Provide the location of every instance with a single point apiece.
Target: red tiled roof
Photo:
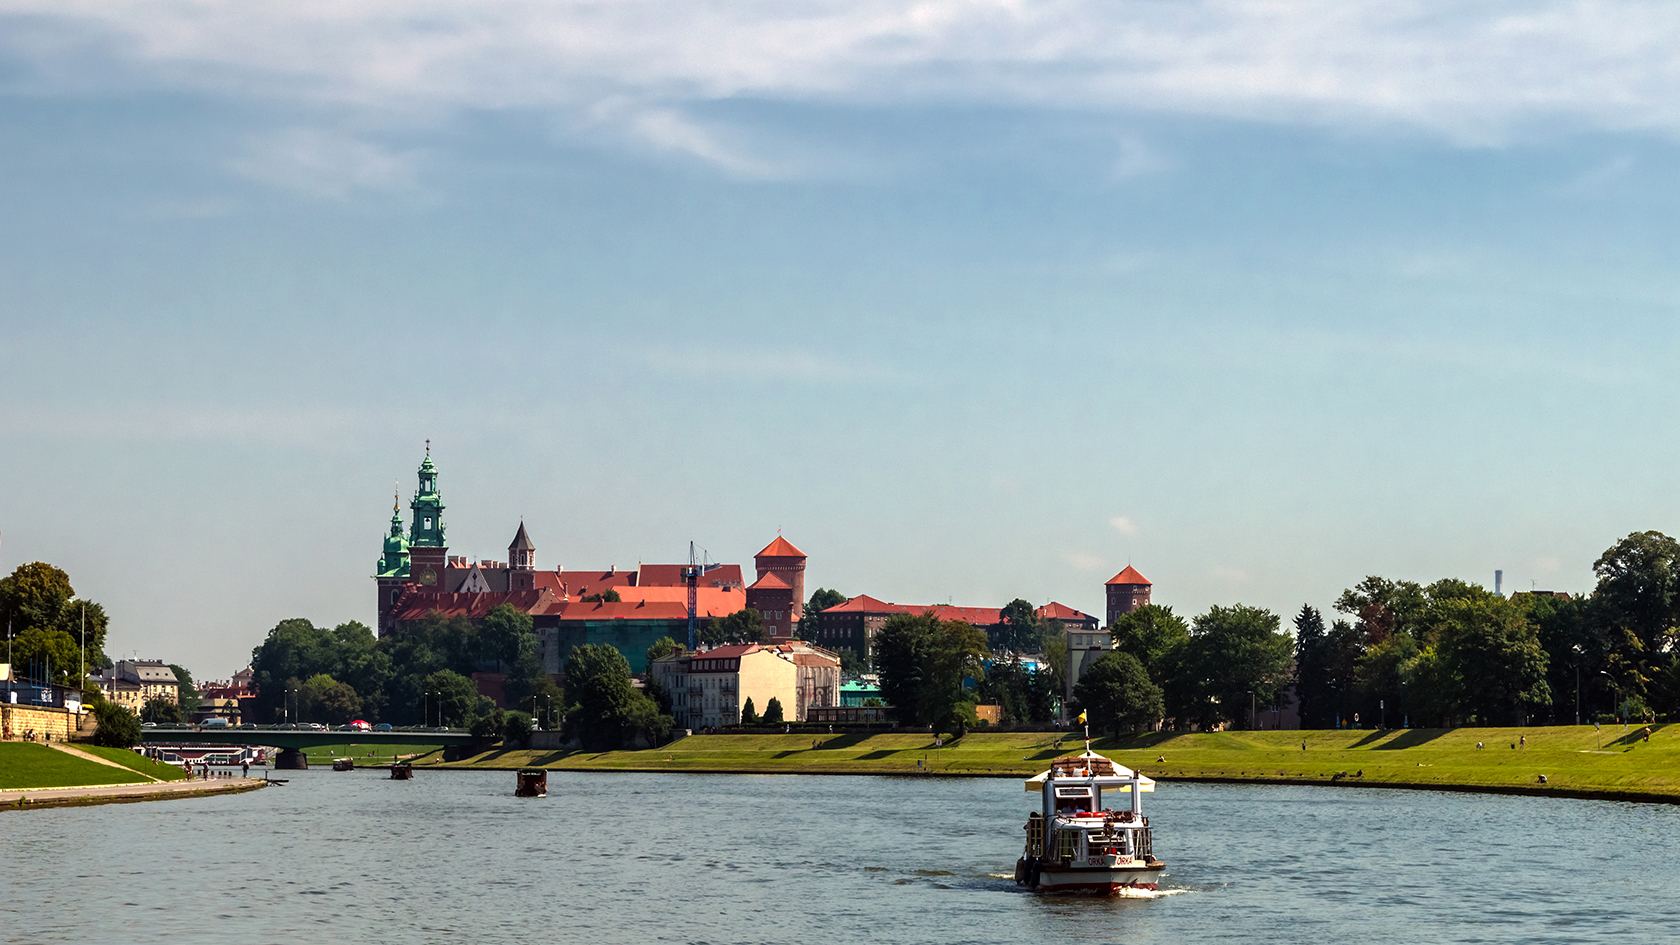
(770, 580)
(619, 610)
(417, 605)
(780, 548)
(1128, 576)
(1055, 611)
(670, 575)
(708, 601)
(978, 616)
(864, 604)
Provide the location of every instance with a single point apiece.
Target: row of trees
(1438, 655)
(1452, 653)
(420, 676)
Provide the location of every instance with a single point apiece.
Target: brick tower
(779, 592)
(1127, 591)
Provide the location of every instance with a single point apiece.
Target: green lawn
(133, 761)
(382, 754)
(1574, 759)
(29, 765)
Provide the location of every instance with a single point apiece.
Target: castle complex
(417, 578)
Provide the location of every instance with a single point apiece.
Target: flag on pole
(1081, 718)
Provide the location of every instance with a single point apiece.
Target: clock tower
(427, 549)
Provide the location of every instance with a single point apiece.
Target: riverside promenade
(26, 798)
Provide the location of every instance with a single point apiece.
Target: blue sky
(974, 301)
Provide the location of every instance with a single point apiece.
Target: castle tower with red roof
(1127, 591)
(779, 592)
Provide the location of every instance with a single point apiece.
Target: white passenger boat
(1076, 844)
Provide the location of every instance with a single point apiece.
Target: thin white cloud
(187, 423)
(1081, 561)
(324, 163)
(1123, 525)
(1474, 72)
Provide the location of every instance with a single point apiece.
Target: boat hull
(1089, 880)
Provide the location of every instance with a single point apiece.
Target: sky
(969, 300)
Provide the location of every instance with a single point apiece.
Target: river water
(454, 857)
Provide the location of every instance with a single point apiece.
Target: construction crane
(697, 566)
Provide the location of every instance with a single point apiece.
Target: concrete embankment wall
(60, 724)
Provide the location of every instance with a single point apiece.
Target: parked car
(382, 727)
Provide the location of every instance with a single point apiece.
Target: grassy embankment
(369, 755)
(29, 765)
(1575, 760)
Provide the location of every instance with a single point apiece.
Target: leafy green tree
(162, 712)
(503, 635)
(742, 626)
(773, 711)
(454, 699)
(1055, 649)
(118, 727)
(1638, 605)
(663, 647)
(749, 715)
(1153, 634)
(187, 693)
(598, 683)
(325, 699)
(47, 623)
(643, 720)
(823, 598)
(851, 665)
(874, 703)
(1494, 658)
(486, 727)
(1235, 651)
(608, 596)
(1117, 693)
(922, 662)
(516, 729)
(1017, 629)
(1314, 689)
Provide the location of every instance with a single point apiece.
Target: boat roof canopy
(1103, 773)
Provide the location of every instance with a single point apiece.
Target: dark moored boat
(533, 782)
(402, 771)
(344, 764)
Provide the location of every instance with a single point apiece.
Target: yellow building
(710, 687)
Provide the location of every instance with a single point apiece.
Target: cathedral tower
(392, 571)
(428, 551)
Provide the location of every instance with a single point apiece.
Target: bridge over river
(291, 741)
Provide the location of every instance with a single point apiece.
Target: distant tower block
(522, 562)
(1127, 591)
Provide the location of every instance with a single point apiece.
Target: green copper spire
(426, 529)
(395, 562)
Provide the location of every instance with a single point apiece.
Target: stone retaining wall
(60, 724)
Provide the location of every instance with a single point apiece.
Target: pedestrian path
(25, 798)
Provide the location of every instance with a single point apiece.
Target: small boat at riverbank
(1074, 843)
(344, 764)
(533, 782)
(402, 771)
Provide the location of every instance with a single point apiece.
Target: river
(454, 857)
